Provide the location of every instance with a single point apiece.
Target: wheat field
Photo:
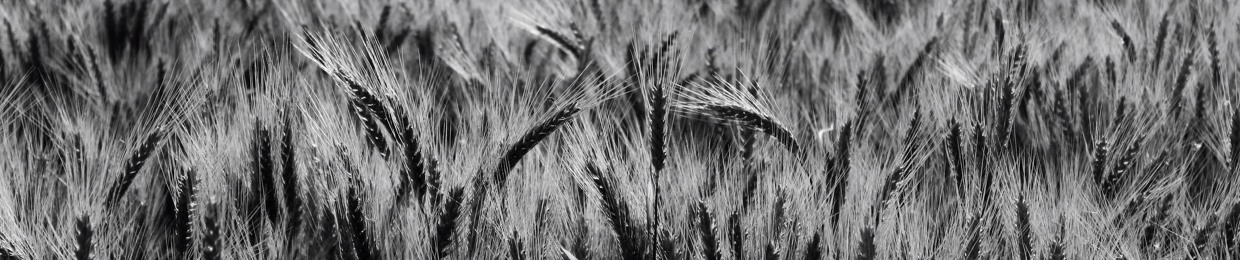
(686, 129)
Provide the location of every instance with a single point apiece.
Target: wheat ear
(132, 166)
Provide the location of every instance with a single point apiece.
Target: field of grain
(590, 129)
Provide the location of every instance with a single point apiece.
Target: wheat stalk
(1231, 225)
(84, 238)
(632, 244)
(658, 118)
(1215, 66)
(972, 248)
(370, 103)
(813, 250)
(8, 28)
(579, 243)
(1000, 34)
(1099, 163)
(866, 250)
(1023, 229)
(778, 221)
(1120, 111)
(894, 183)
(757, 121)
(132, 166)
(1235, 140)
(1129, 50)
(706, 226)
(955, 147)
(1113, 182)
(367, 118)
(412, 178)
(1202, 237)
(747, 194)
(531, 138)
(771, 252)
(1014, 77)
(562, 41)
(292, 200)
(476, 205)
(264, 180)
(841, 170)
(1161, 37)
(516, 249)
(1130, 208)
(1077, 82)
(664, 67)
(211, 238)
(1057, 247)
(1149, 232)
(447, 222)
(916, 69)
(357, 221)
(96, 73)
(1061, 116)
(185, 212)
(729, 103)
(737, 235)
(346, 243)
(1199, 107)
(980, 147)
(1181, 81)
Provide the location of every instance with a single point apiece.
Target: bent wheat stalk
(732, 104)
(530, 139)
(132, 166)
(763, 123)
